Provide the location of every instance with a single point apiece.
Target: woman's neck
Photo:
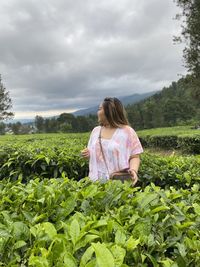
(108, 126)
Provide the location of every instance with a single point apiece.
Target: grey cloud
(69, 54)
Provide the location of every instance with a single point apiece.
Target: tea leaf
(103, 255)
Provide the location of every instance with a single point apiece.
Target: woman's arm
(134, 164)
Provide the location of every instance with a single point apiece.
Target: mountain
(126, 100)
(23, 121)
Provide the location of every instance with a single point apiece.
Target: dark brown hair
(114, 112)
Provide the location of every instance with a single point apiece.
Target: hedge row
(187, 144)
(52, 163)
(27, 164)
(176, 171)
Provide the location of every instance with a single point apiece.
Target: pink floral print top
(117, 150)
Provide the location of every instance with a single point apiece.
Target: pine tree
(190, 35)
(5, 103)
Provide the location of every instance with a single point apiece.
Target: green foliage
(172, 106)
(190, 144)
(176, 171)
(58, 155)
(67, 222)
(160, 141)
(187, 144)
(5, 103)
(167, 131)
(185, 139)
(2, 128)
(191, 33)
(138, 228)
(65, 123)
(44, 156)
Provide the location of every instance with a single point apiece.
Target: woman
(113, 145)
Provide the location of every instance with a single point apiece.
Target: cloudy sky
(61, 55)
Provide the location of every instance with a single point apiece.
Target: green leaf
(196, 208)
(4, 234)
(99, 223)
(84, 241)
(49, 229)
(69, 260)
(38, 218)
(7, 217)
(132, 243)
(153, 260)
(41, 200)
(47, 160)
(185, 225)
(160, 208)
(58, 248)
(147, 199)
(19, 244)
(103, 255)
(20, 231)
(92, 263)
(74, 231)
(119, 254)
(38, 261)
(86, 256)
(69, 205)
(90, 191)
(120, 237)
(28, 216)
(168, 263)
(182, 249)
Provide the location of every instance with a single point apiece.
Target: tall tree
(16, 127)
(2, 128)
(40, 123)
(191, 37)
(5, 103)
(191, 33)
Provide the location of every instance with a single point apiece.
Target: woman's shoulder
(128, 129)
(96, 129)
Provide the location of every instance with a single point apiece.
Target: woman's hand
(134, 176)
(133, 167)
(85, 153)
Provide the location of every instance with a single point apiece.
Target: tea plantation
(51, 214)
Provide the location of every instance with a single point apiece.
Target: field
(52, 215)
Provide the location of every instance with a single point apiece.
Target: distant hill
(23, 121)
(126, 100)
(131, 99)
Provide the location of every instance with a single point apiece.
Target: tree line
(65, 122)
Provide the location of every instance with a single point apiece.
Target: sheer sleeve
(93, 136)
(133, 144)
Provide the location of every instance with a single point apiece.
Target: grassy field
(178, 130)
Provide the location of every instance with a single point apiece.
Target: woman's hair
(114, 112)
